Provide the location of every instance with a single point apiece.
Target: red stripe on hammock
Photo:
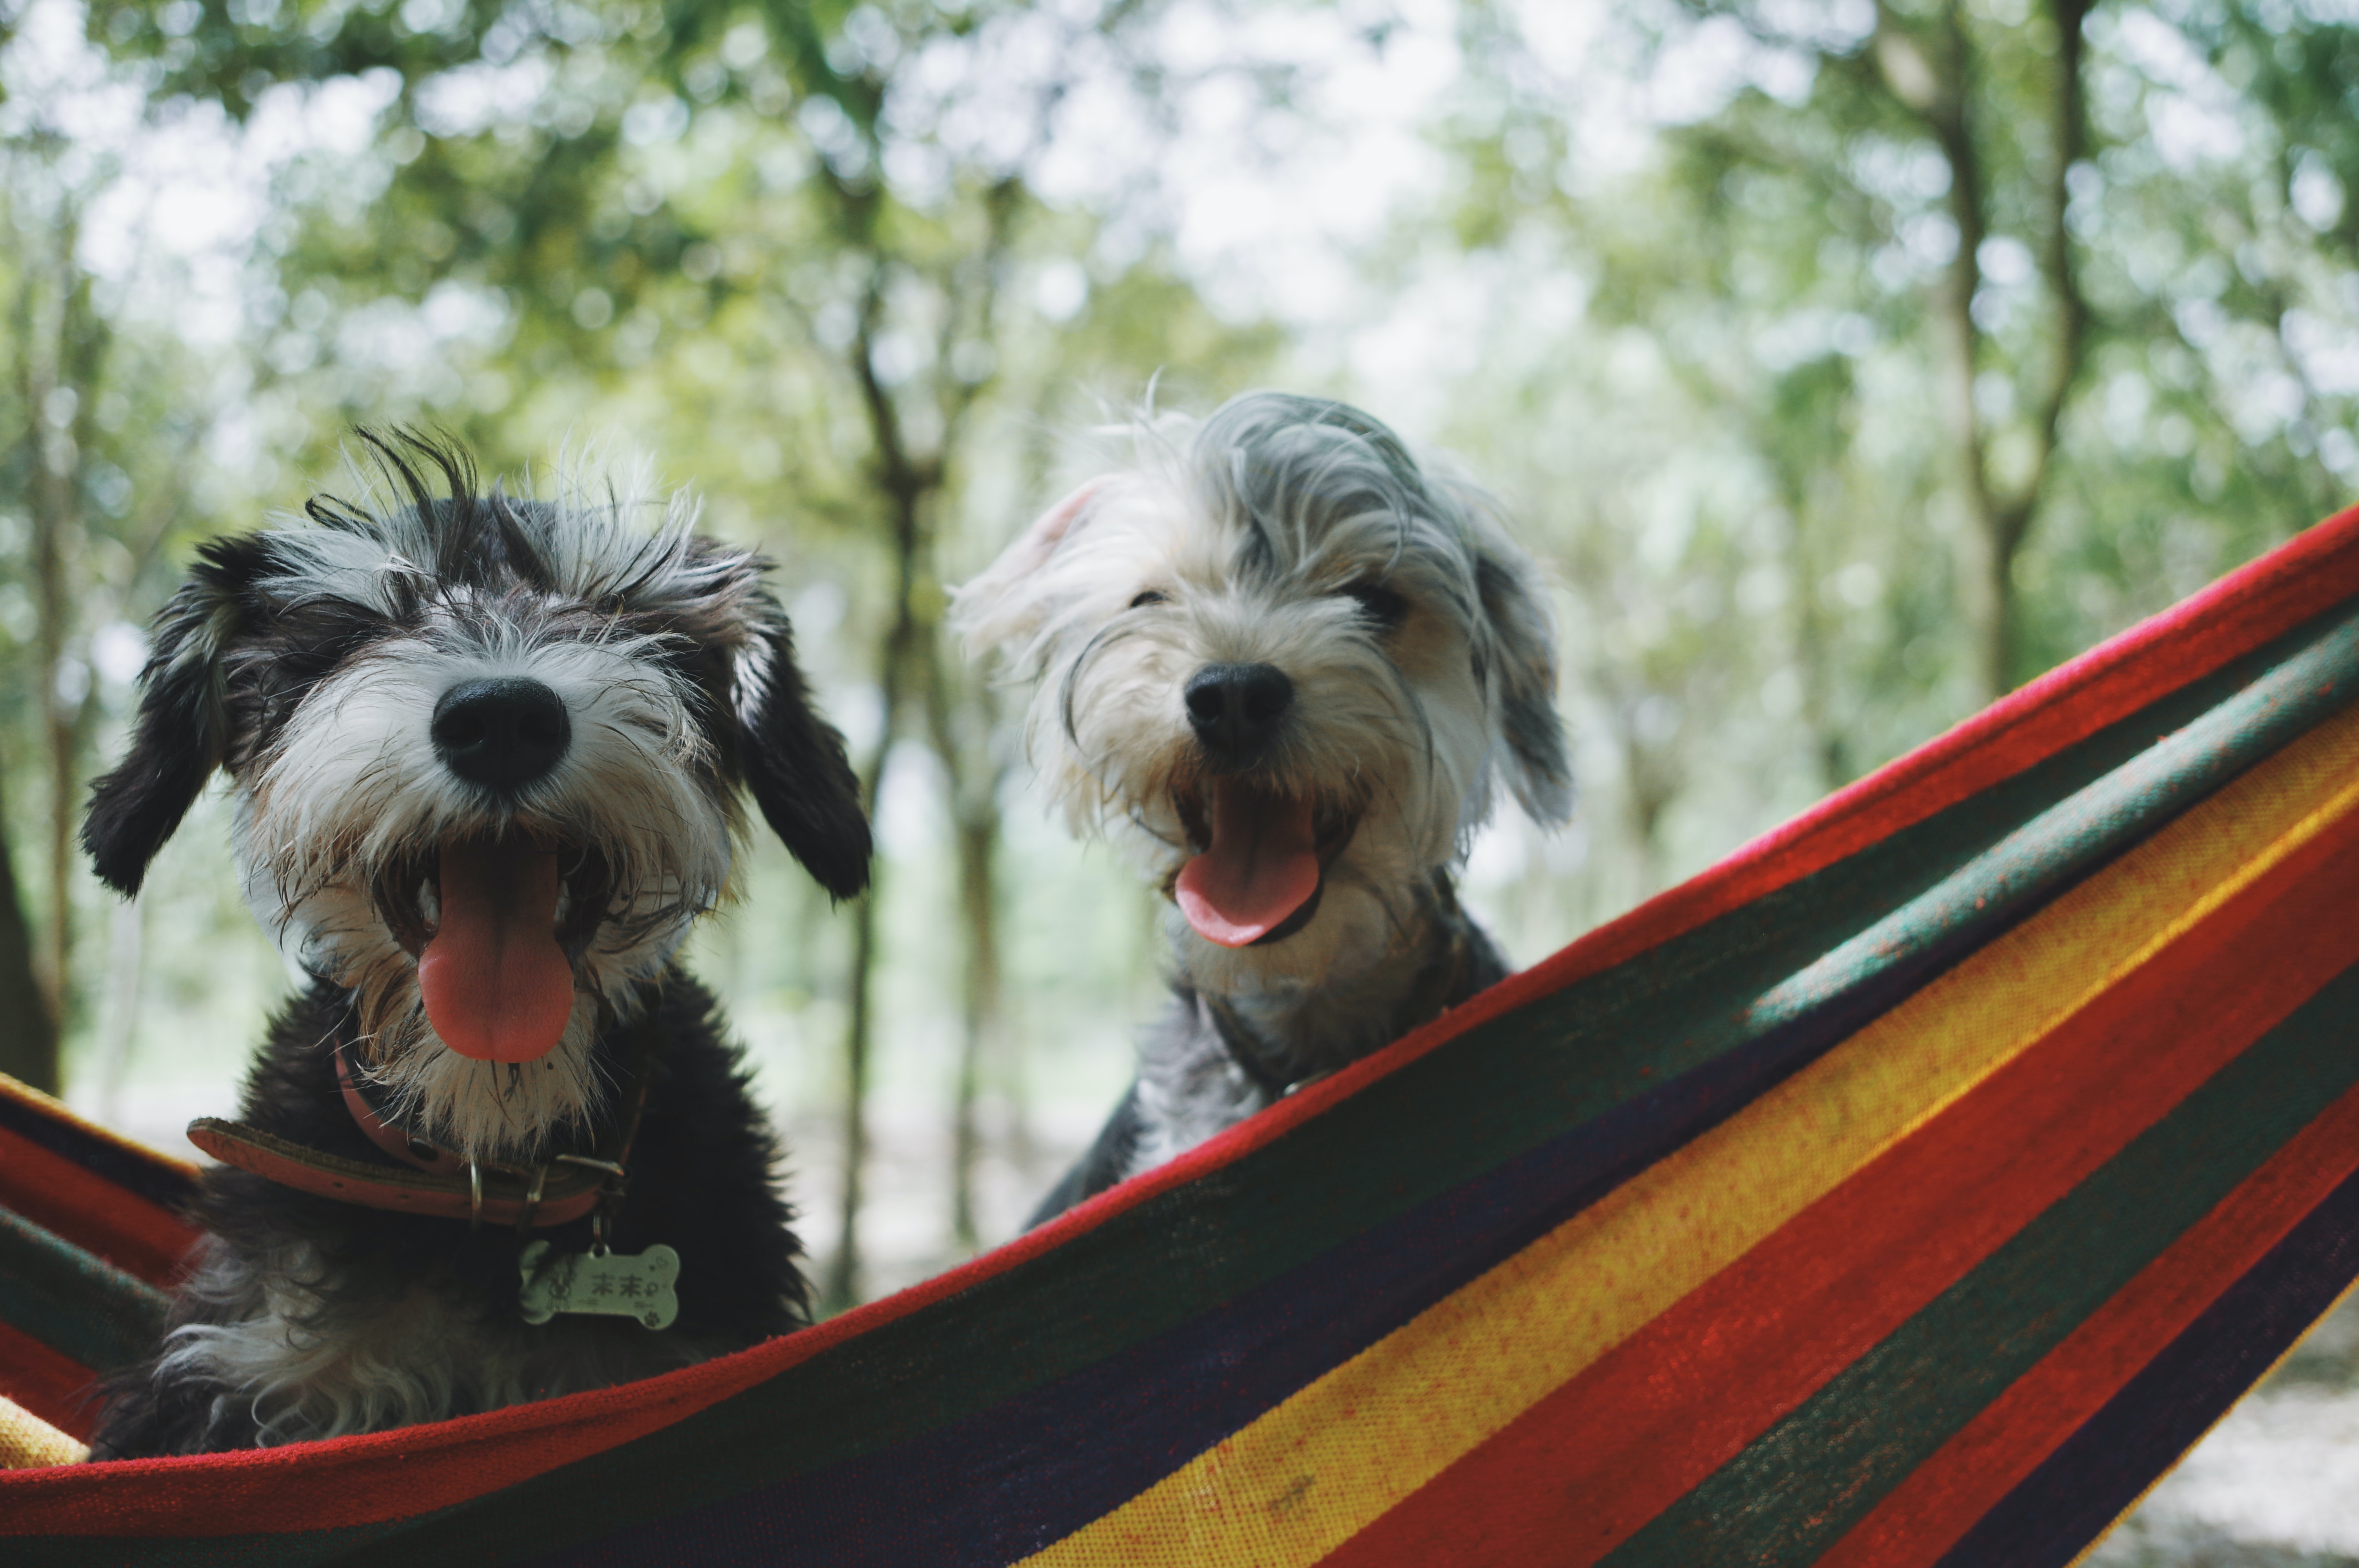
(75, 1204)
(1593, 1460)
(346, 1480)
(397, 1475)
(53, 1387)
(413, 1470)
(17, 1093)
(1931, 1509)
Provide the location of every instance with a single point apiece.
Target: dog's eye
(1379, 603)
(1149, 597)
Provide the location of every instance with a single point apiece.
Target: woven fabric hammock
(1915, 1186)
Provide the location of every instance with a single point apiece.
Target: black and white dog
(486, 753)
(1288, 665)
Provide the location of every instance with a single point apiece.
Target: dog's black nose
(1235, 708)
(502, 733)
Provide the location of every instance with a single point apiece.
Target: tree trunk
(28, 1035)
(978, 853)
(1813, 500)
(41, 332)
(908, 482)
(62, 346)
(1986, 579)
(1936, 80)
(843, 1286)
(963, 734)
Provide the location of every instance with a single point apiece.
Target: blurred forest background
(1849, 362)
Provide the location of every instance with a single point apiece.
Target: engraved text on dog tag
(624, 1285)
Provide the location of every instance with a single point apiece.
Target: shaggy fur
(1298, 534)
(305, 1318)
(308, 661)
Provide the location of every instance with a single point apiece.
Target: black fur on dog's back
(702, 1181)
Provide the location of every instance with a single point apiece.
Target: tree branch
(2069, 130)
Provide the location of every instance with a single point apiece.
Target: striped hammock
(1913, 1187)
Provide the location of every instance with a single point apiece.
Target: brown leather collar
(447, 1186)
(427, 1157)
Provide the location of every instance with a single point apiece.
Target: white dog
(1288, 665)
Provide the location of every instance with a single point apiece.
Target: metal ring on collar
(531, 1200)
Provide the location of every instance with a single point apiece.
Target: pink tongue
(496, 985)
(1260, 869)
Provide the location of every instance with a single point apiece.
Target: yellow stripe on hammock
(27, 1442)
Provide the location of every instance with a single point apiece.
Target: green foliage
(1743, 430)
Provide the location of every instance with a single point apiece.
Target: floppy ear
(993, 608)
(1033, 547)
(1523, 675)
(794, 763)
(182, 728)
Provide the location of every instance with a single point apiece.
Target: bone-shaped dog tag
(618, 1284)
